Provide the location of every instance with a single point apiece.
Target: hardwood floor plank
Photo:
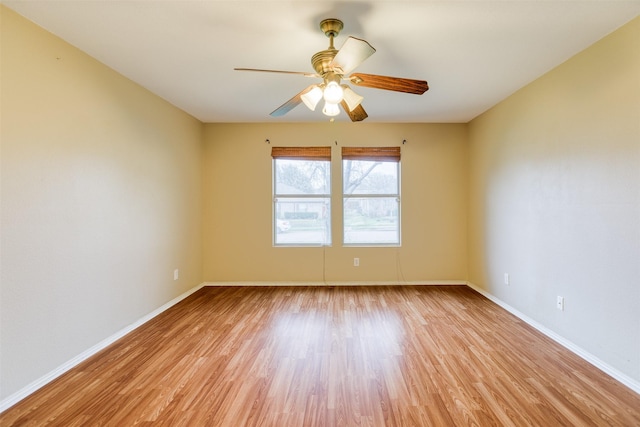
(314, 356)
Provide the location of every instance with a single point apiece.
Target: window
(301, 196)
(371, 195)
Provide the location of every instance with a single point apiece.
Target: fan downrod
(321, 60)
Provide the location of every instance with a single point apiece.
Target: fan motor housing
(322, 59)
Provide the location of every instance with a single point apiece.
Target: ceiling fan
(333, 66)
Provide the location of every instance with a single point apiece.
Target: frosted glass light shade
(312, 97)
(333, 93)
(331, 109)
(351, 98)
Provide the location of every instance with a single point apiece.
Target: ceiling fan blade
(417, 87)
(278, 71)
(352, 53)
(290, 104)
(357, 114)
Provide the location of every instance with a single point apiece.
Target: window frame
(301, 154)
(376, 154)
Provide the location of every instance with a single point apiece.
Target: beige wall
(101, 201)
(555, 200)
(238, 205)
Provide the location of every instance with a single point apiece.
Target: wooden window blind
(376, 154)
(301, 153)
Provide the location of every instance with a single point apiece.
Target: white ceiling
(472, 53)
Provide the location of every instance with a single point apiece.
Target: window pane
(303, 221)
(369, 177)
(302, 177)
(371, 220)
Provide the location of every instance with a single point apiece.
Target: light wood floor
(281, 356)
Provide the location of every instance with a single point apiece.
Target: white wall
(555, 200)
(101, 201)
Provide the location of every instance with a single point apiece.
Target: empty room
(292, 213)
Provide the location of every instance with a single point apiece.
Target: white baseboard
(359, 283)
(44, 380)
(604, 367)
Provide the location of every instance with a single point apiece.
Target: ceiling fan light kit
(330, 109)
(332, 66)
(351, 98)
(333, 93)
(312, 97)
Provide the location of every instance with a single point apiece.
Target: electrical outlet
(176, 274)
(356, 262)
(506, 278)
(560, 303)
